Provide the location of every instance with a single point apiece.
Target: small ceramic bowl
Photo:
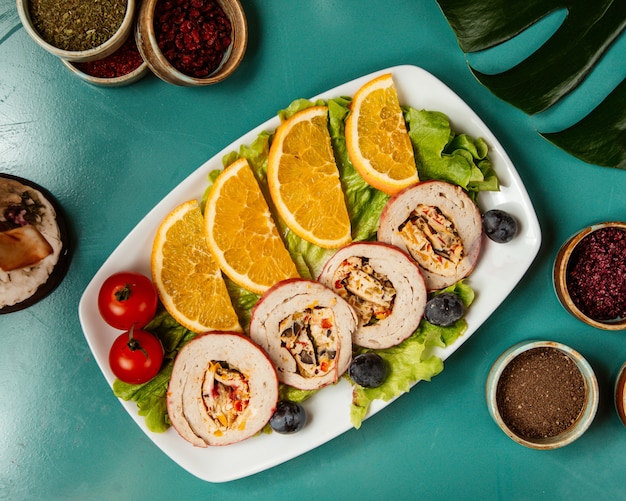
(138, 73)
(560, 275)
(585, 417)
(103, 50)
(132, 77)
(620, 394)
(161, 67)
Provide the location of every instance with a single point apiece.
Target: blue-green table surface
(109, 155)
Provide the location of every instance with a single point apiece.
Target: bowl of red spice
(123, 67)
(78, 30)
(192, 42)
(590, 275)
(542, 394)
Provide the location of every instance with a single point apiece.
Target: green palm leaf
(556, 68)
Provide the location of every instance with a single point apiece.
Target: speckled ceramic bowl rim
(559, 274)
(584, 420)
(103, 50)
(162, 68)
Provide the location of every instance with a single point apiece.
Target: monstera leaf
(554, 69)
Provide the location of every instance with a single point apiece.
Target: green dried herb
(77, 25)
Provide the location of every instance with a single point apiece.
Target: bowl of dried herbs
(78, 30)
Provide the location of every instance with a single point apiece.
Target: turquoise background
(109, 155)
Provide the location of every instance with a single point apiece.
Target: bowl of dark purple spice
(123, 67)
(590, 275)
(78, 30)
(542, 394)
(192, 42)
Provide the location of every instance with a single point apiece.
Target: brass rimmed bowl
(99, 52)
(561, 270)
(571, 433)
(165, 70)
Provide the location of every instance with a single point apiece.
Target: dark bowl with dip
(21, 288)
(542, 394)
(590, 275)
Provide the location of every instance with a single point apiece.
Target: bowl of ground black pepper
(590, 275)
(542, 394)
(192, 42)
(78, 30)
(123, 67)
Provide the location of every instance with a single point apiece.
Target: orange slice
(188, 279)
(241, 232)
(378, 143)
(304, 180)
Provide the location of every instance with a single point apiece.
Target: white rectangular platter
(500, 268)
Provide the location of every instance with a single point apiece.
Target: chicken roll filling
(311, 339)
(370, 293)
(225, 393)
(432, 240)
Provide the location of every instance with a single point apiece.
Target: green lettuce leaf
(296, 106)
(364, 203)
(461, 289)
(408, 362)
(150, 397)
(286, 392)
(172, 335)
(435, 335)
(407, 365)
(441, 154)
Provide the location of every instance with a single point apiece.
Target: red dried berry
(206, 39)
(122, 62)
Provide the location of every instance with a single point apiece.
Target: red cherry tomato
(136, 356)
(127, 299)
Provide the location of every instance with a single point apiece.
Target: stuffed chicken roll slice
(384, 286)
(223, 389)
(439, 226)
(307, 331)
